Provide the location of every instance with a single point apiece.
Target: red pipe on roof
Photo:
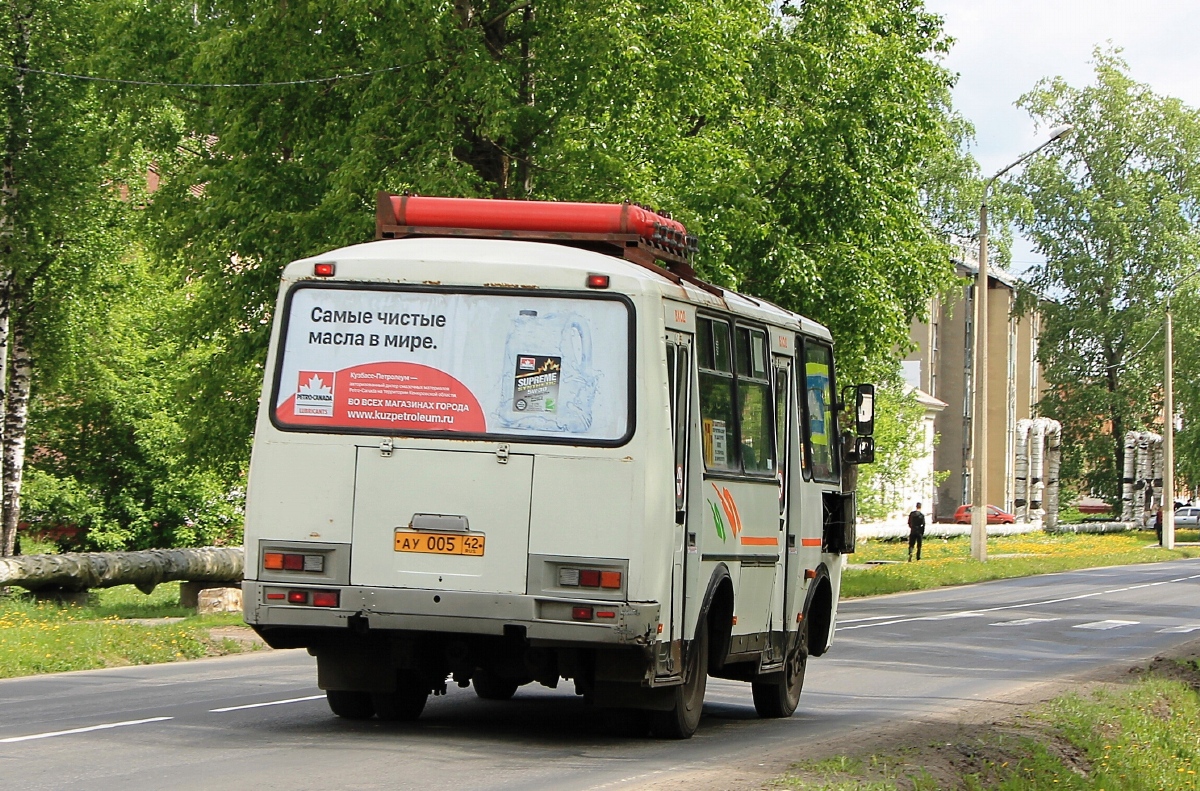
(520, 215)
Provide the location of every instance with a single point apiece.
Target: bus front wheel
(780, 696)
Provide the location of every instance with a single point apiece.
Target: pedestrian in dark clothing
(916, 532)
(1158, 525)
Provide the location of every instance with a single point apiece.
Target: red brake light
(325, 598)
(605, 614)
(273, 560)
(610, 579)
(581, 613)
(297, 597)
(323, 270)
(589, 578)
(597, 281)
(276, 595)
(293, 562)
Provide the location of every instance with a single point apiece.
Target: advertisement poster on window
(406, 361)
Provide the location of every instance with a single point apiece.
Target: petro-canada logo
(314, 394)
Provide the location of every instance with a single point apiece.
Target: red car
(995, 516)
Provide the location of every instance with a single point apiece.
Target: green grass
(1134, 737)
(45, 637)
(949, 562)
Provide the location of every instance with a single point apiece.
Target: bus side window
(715, 366)
(820, 426)
(754, 401)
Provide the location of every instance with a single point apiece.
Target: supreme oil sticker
(536, 383)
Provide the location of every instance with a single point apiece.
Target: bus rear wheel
(403, 705)
(490, 686)
(682, 719)
(350, 705)
(780, 696)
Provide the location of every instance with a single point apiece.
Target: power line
(152, 83)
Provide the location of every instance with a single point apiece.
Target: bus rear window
(431, 362)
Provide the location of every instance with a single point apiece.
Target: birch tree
(1116, 212)
(52, 189)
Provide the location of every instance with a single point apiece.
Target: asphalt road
(258, 721)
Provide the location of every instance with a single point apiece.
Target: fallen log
(78, 571)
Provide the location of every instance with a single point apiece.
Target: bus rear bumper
(543, 619)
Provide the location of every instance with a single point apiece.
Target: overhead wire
(156, 84)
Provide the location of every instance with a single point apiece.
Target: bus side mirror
(864, 409)
(864, 450)
(857, 450)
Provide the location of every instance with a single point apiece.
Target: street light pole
(979, 500)
(1168, 489)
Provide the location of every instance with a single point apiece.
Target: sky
(1003, 47)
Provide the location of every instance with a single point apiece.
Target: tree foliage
(1116, 213)
(899, 443)
(811, 145)
(799, 145)
(108, 426)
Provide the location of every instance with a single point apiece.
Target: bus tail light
(325, 598)
(297, 597)
(324, 270)
(581, 613)
(589, 578)
(293, 561)
(597, 281)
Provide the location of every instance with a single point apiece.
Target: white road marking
(1111, 624)
(1191, 627)
(1023, 622)
(268, 703)
(872, 618)
(1001, 608)
(103, 727)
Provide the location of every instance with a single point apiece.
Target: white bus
(511, 442)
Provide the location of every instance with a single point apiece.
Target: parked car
(1188, 516)
(995, 516)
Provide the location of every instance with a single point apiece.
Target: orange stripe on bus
(810, 542)
(760, 541)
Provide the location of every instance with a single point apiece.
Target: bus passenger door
(785, 448)
(679, 378)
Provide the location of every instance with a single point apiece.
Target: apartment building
(941, 366)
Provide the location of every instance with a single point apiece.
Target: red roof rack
(627, 230)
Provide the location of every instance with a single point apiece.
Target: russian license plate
(440, 543)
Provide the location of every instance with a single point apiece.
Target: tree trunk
(145, 569)
(16, 419)
(16, 131)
